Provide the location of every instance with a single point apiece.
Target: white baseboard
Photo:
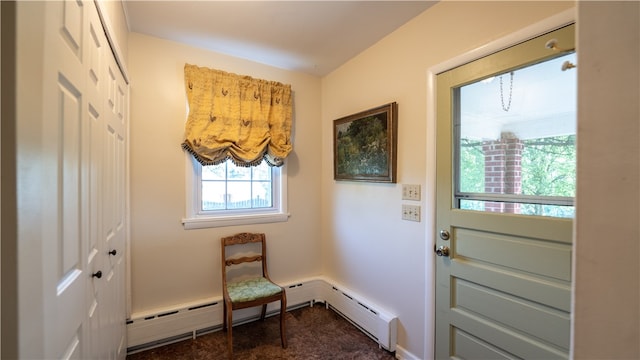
(403, 354)
(151, 329)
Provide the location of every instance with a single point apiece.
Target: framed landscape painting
(365, 145)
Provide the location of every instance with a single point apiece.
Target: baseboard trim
(150, 329)
(403, 354)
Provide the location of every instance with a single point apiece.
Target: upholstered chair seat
(251, 289)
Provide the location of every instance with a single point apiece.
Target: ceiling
(313, 37)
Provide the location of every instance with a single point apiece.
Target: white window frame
(197, 219)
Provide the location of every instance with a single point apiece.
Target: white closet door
(95, 55)
(74, 224)
(65, 198)
(114, 215)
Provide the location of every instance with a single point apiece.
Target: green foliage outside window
(548, 169)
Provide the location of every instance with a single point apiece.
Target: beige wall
(607, 248)
(366, 245)
(171, 266)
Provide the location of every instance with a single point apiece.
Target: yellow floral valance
(236, 117)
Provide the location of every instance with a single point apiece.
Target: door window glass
(515, 136)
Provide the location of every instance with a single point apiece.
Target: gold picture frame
(365, 145)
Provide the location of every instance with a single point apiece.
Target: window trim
(516, 198)
(194, 219)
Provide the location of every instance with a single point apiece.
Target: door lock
(444, 235)
(442, 250)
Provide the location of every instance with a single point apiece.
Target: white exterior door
(503, 274)
(72, 204)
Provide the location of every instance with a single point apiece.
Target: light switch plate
(411, 212)
(410, 192)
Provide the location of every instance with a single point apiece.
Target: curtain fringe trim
(277, 162)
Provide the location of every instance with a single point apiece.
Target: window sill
(211, 222)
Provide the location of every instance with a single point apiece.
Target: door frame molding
(551, 23)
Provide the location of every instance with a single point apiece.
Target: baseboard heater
(148, 330)
(376, 323)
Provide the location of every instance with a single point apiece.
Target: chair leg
(224, 316)
(229, 320)
(283, 310)
(264, 312)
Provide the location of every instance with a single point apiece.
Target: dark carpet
(312, 333)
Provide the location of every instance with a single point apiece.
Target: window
(230, 187)
(226, 194)
(516, 136)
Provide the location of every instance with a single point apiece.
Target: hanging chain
(506, 108)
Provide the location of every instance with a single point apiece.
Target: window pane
(262, 172)
(214, 172)
(516, 135)
(235, 172)
(471, 166)
(549, 166)
(213, 195)
(230, 187)
(261, 194)
(239, 194)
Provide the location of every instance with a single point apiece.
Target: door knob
(97, 274)
(442, 251)
(113, 252)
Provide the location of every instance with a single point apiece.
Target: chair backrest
(240, 252)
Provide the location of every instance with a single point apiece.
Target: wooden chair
(250, 288)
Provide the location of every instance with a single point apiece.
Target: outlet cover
(411, 212)
(410, 192)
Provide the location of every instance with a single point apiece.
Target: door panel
(533, 318)
(504, 289)
(65, 276)
(523, 311)
(496, 337)
(114, 217)
(96, 49)
(83, 200)
(552, 294)
(469, 347)
(526, 255)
